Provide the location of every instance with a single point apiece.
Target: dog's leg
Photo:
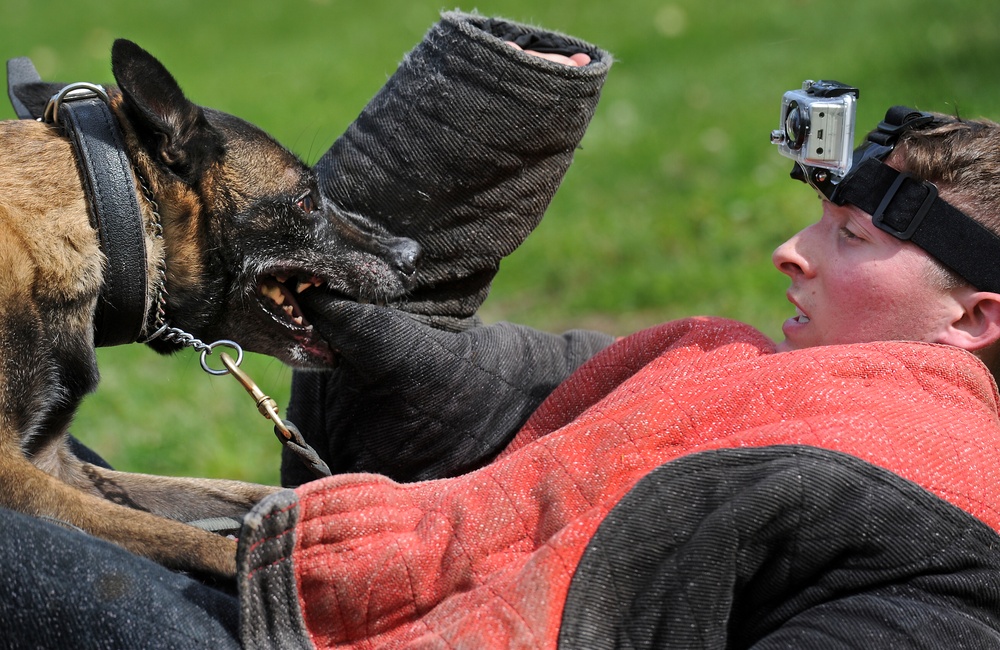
(47, 364)
(64, 488)
(178, 497)
(172, 544)
(175, 497)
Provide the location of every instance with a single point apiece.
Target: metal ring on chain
(207, 350)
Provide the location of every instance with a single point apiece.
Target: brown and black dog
(244, 228)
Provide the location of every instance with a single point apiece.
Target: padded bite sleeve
(463, 149)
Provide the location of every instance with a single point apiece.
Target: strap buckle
(73, 92)
(918, 217)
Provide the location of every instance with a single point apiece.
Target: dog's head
(245, 226)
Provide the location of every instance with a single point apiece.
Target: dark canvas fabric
(413, 402)
(783, 547)
(62, 588)
(463, 149)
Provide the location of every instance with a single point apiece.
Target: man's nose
(789, 258)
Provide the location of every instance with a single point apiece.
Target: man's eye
(847, 234)
(306, 203)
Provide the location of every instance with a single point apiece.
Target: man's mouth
(800, 317)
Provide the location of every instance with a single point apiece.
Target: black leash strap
(298, 446)
(82, 111)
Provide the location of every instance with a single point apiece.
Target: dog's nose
(405, 254)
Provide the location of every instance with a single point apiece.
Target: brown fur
(230, 202)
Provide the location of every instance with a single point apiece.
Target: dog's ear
(173, 129)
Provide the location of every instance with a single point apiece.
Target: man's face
(853, 283)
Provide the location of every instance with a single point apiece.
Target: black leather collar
(81, 111)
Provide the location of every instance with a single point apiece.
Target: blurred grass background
(672, 207)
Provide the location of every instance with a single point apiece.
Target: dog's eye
(306, 203)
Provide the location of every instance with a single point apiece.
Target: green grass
(672, 207)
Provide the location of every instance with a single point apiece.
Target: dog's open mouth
(277, 294)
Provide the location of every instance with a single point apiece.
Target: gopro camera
(817, 126)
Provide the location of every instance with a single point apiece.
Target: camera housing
(817, 125)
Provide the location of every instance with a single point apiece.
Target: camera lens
(795, 125)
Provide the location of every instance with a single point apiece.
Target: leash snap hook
(266, 405)
(286, 432)
(72, 92)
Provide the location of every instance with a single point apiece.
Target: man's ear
(978, 324)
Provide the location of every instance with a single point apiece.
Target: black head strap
(897, 120)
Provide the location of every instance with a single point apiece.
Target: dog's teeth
(272, 292)
(288, 309)
(297, 320)
(302, 286)
(281, 277)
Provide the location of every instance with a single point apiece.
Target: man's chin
(791, 343)
(785, 346)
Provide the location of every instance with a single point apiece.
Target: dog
(233, 228)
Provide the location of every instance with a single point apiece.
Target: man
(852, 282)
(685, 486)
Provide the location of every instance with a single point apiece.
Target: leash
(286, 432)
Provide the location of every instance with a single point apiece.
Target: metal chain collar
(156, 227)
